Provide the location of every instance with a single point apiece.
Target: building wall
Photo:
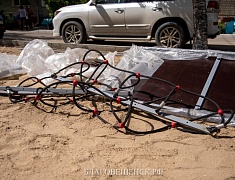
(227, 8)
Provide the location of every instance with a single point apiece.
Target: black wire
(148, 132)
(85, 86)
(84, 56)
(230, 117)
(73, 65)
(30, 78)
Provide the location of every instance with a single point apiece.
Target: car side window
(107, 1)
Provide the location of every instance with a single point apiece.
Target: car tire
(1, 35)
(74, 32)
(170, 35)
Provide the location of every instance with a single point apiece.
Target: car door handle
(156, 9)
(119, 11)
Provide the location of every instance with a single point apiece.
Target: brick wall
(227, 8)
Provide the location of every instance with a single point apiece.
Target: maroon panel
(222, 89)
(189, 74)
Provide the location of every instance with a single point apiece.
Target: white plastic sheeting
(8, 66)
(39, 60)
(188, 54)
(136, 59)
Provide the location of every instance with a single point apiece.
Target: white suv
(169, 22)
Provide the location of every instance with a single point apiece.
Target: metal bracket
(208, 82)
(173, 118)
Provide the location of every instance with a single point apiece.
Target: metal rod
(208, 82)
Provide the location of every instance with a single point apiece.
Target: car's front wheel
(74, 32)
(170, 35)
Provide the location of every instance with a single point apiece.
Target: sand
(71, 144)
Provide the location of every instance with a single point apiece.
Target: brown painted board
(192, 76)
(222, 89)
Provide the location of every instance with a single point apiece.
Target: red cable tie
(220, 112)
(39, 80)
(26, 99)
(95, 81)
(177, 88)
(137, 75)
(118, 100)
(173, 124)
(106, 61)
(121, 125)
(83, 62)
(95, 111)
(37, 97)
(72, 74)
(75, 82)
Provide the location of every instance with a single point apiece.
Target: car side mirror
(93, 2)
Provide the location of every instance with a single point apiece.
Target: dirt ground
(10, 50)
(72, 144)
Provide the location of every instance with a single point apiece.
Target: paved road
(224, 42)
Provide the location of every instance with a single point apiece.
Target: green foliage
(222, 27)
(53, 5)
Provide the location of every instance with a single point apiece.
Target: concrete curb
(65, 46)
(89, 46)
(13, 43)
(112, 48)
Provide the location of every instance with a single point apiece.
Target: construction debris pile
(77, 75)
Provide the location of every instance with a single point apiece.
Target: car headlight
(57, 12)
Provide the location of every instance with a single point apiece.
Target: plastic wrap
(188, 54)
(192, 113)
(32, 57)
(147, 60)
(40, 60)
(8, 66)
(105, 74)
(136, 59)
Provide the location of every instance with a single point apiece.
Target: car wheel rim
(72, 34)
(170, 37)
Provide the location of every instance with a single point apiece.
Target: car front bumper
(56, 25)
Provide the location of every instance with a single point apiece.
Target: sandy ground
(71, 144)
